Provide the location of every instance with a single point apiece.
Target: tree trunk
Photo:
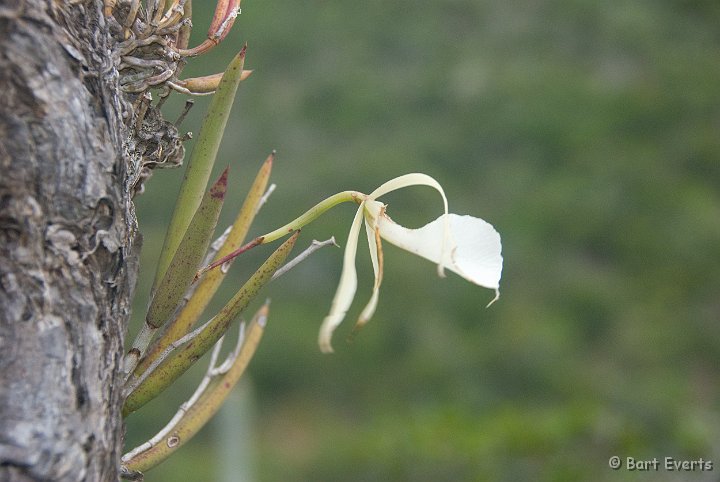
(67, 232)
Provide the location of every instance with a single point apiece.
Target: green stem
(312, 214)
(303, 220)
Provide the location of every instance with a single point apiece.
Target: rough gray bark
(66, 235)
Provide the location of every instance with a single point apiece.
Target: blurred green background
(587, 133)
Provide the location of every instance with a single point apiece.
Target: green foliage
(209, 283)
(587, 133)
(218, 383)
(191, 351)
(188, 255)
(202, 159)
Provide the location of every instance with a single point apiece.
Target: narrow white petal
(346, 287)
(420, 179)
(473, 250)
(376, 257)
(407, 180)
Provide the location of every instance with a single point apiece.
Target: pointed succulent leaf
(201, 162)
(186, 355)
(188, 256)
(207, 405)
(209, 284)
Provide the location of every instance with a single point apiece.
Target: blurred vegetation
(587, 132)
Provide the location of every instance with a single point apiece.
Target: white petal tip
(324, 342)
(325, 336)
(359, 324)
(497, 296)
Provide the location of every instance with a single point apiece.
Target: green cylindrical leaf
(207, 286)
(189, 353)
(201, 162)
(207, 405)
(188, 256)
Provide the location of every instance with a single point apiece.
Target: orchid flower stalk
(463, 244)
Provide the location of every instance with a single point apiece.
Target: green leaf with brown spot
(201, 162)
(188, 256)
(209, 283)
(205, 407)
(184, 357)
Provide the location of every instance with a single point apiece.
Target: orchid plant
(153, 48)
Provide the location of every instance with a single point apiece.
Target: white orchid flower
(466, 245)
